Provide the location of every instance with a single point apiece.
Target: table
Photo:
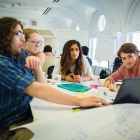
(54, 121)
(43, 109)
(115, 122)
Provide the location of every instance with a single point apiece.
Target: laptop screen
(129, 91)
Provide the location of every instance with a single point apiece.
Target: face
(74, 52)
(129, 59)
(17, 40)
(33, 43)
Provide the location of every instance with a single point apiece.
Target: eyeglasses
(35, 42)
(20, 34)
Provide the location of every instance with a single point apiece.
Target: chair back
(49, 72)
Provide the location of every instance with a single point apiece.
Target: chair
(49, 72)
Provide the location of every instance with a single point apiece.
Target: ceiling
(49, 14)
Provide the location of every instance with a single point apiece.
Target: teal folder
(74, 87)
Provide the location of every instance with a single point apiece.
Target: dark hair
(7, 26)
(85, 50)
(47, 48)
(66, 59)
(127, 48)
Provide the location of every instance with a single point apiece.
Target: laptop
(129, 91)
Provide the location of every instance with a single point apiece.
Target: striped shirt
(14, 78)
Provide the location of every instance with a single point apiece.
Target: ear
(137, 54)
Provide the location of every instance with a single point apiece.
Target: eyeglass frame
(20, 34)
(35, 42)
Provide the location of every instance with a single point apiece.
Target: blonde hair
(29, 31)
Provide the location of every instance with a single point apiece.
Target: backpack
(104, 73)
(117, 63)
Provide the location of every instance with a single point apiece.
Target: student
(31, 46)
(73, 65)
(85, 51)
(130, 68)
(18, 87)
(50, 59)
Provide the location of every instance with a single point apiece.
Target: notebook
(129, 91)
(74, 87)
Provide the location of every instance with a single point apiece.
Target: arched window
(102, 23)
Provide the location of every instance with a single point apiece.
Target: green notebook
(74, 87)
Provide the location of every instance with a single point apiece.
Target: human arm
(116, 76)
(50, 94)
(34, 63)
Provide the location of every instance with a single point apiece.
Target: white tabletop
(115, 122)
(54, 121)
(43, 109)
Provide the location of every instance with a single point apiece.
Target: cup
(96, 79)
(102, 92)
(56, 78)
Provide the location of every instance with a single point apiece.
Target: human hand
(107, 83)
(93, 101)
(32, 62)
(41, 56)
(77, 78)
(114, 87)
(69, 77)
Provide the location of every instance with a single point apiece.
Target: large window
(136, 39)
(93, 42)
(102, 23)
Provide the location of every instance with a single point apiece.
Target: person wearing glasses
(130, 68)
(31, 46)
(18, 87)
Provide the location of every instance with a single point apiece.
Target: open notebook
(74, 87)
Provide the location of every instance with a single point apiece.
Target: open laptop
(129, 91)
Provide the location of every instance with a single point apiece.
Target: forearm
(50, 94)
(86, 78)
(39, 75)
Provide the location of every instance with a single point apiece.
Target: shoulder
(5, 60)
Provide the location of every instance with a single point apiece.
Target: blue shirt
(14, 78)
(24, 55)
(89, 60)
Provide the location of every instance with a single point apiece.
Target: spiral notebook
(74, 87)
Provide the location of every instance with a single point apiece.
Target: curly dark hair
(7, 26)
(66, 59)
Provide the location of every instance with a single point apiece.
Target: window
(101, 23)
(93, 42)
(77, 28)
(136, 39)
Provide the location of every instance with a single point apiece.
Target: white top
(87, 69)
